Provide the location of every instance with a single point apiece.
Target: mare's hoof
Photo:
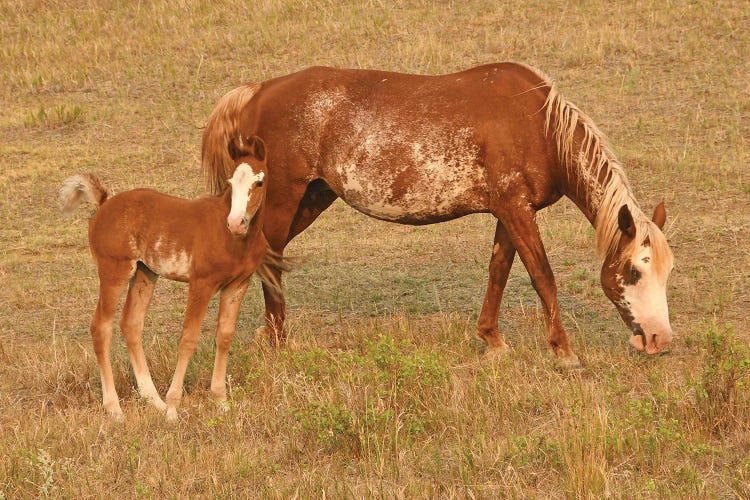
(496, 353)
(263, 333)
(569, 362)
(268, 334)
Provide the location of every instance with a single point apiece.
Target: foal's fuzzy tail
(270, 270)
(221, 130)
(82, 187)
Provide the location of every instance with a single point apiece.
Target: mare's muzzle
(640, 341)
(638, 331)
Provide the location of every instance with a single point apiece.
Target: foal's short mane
(602, 179)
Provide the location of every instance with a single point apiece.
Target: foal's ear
(256, 147)
(237, 148)
(625, 221)
(660, 215)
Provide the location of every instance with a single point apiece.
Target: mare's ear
(625, 221)
(660, 215)
(256, 147)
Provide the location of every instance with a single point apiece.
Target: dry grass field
(381, 391)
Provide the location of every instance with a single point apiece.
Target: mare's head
(634, 277)
(247, 183)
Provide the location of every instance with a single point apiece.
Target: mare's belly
(412, 183)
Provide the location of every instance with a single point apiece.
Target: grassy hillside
(381, 390)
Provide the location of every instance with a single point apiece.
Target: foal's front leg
(198, 296)
(229, 310)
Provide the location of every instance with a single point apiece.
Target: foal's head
(247, 183)
(634, 277)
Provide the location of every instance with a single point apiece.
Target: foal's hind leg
(503, 253)
(229, 310)
(133, 315)
(198, 296)
(112, 280)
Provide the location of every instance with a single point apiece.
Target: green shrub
(721, 394)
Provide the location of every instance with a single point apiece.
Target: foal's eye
(259, 184)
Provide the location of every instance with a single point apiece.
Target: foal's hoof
(171, 415)
(156, 402)
(118, 417)
(115, 412)
(223, 406)
(159, 404)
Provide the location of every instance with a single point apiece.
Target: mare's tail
(221, 129)
(82, 187)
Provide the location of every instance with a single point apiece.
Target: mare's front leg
(503, 253)
(285, 217)
(133, 315)
(229, 310)
(198, 296)
(524, 234)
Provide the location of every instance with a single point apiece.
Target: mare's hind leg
(112, 280)
(133, 315)
(198, 296)
(524, 234)
(229, 310)
(503, 253)
(279, 230)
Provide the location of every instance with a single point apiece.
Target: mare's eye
(259, 184)
(635, 275)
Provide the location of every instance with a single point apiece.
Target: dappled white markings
(175, 265)
(392, 173)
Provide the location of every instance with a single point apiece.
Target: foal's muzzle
(238, 225)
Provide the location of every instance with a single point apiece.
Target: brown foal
(215, 244)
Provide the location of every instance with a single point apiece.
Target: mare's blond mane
(601, 178)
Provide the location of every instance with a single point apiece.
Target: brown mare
(214, 244)
(419, 149)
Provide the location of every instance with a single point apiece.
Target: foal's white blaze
(647, 301)
(242, 182)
